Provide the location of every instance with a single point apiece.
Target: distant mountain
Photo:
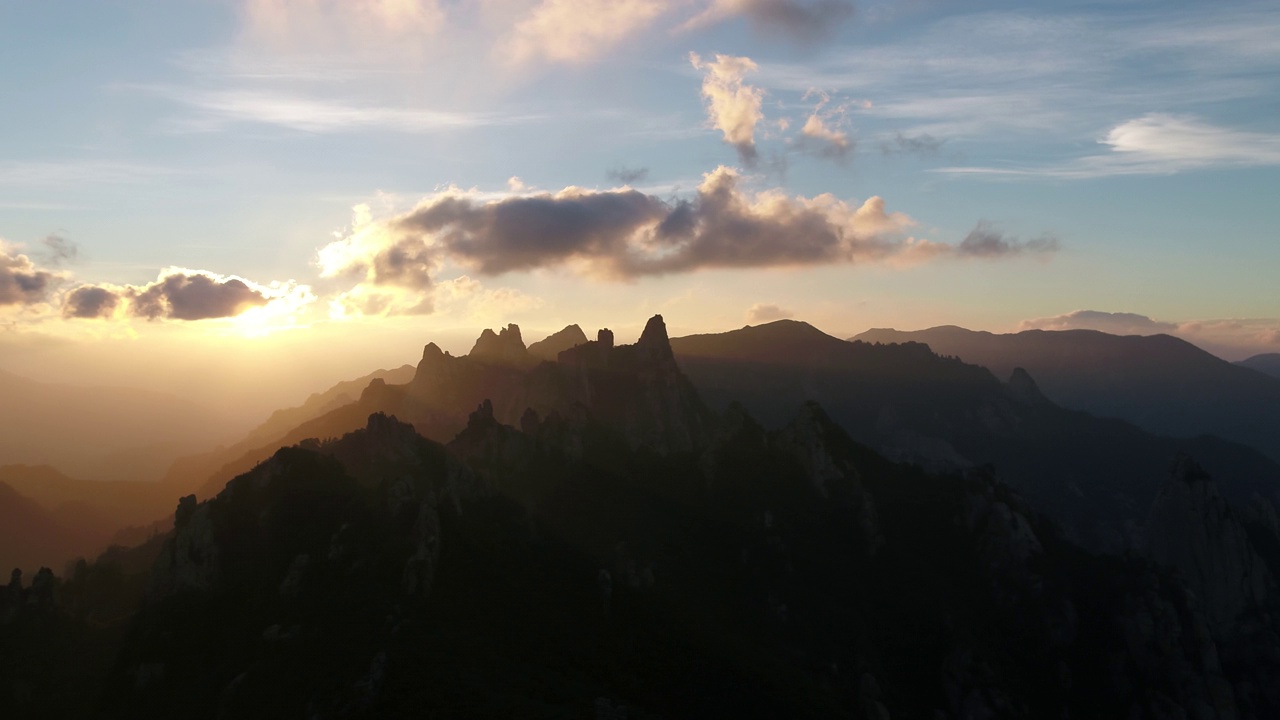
(1268, 363)
(1160, 383)
(100, 433)
(116, 503)
(1094, 476)
(71, 518)
(186, 473)
(32, 537)
(343, 393)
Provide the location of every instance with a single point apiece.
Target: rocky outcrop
(190, 559)
(550, 347)
(503, 348)
(1192, 529)
(655, 405)
(1023, 388)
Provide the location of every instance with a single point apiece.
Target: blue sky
(1031, 160)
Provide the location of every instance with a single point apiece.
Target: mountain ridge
(1160, 383)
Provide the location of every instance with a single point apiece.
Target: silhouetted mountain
(596, 377)
(1094, 476)
(100, 432)
(1266, 363)
(625, 551)
(550, 347)
(1160, 383)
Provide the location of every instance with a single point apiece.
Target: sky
(245, 201)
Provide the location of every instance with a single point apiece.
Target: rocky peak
(1023, 387)
(550, 347)
(654, 342)
(433, 361)
(605, 337)
(482, 416)
(505, 347)
(432, 351)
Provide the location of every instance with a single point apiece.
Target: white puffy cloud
(733, 107)
(767, 312)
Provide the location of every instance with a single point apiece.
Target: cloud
(985, 241)
(1116, 323)
(821, 132)
(627, 175)
(192, 296)
(1156, 144)
(315, 25)
(21, 282)
(76, 172)
(181, 294)
(60, 249)
(762, 313)
(217, 108)
(524, 233)
(1186, 141)
(921, 144)
(91, 301)
(572, 31)
(1232, 338)
(624, 234)
(802, 22)
(733, 107)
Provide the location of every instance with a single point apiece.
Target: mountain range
(1267, 363)
(760, 523)
(1160, 383)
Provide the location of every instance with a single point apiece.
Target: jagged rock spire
(505, 347)
(654, 341)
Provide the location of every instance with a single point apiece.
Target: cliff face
(1192, 529)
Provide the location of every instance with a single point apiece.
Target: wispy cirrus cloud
(214, 109)
(43, 173)
(1031, 82)
(1155, 144)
